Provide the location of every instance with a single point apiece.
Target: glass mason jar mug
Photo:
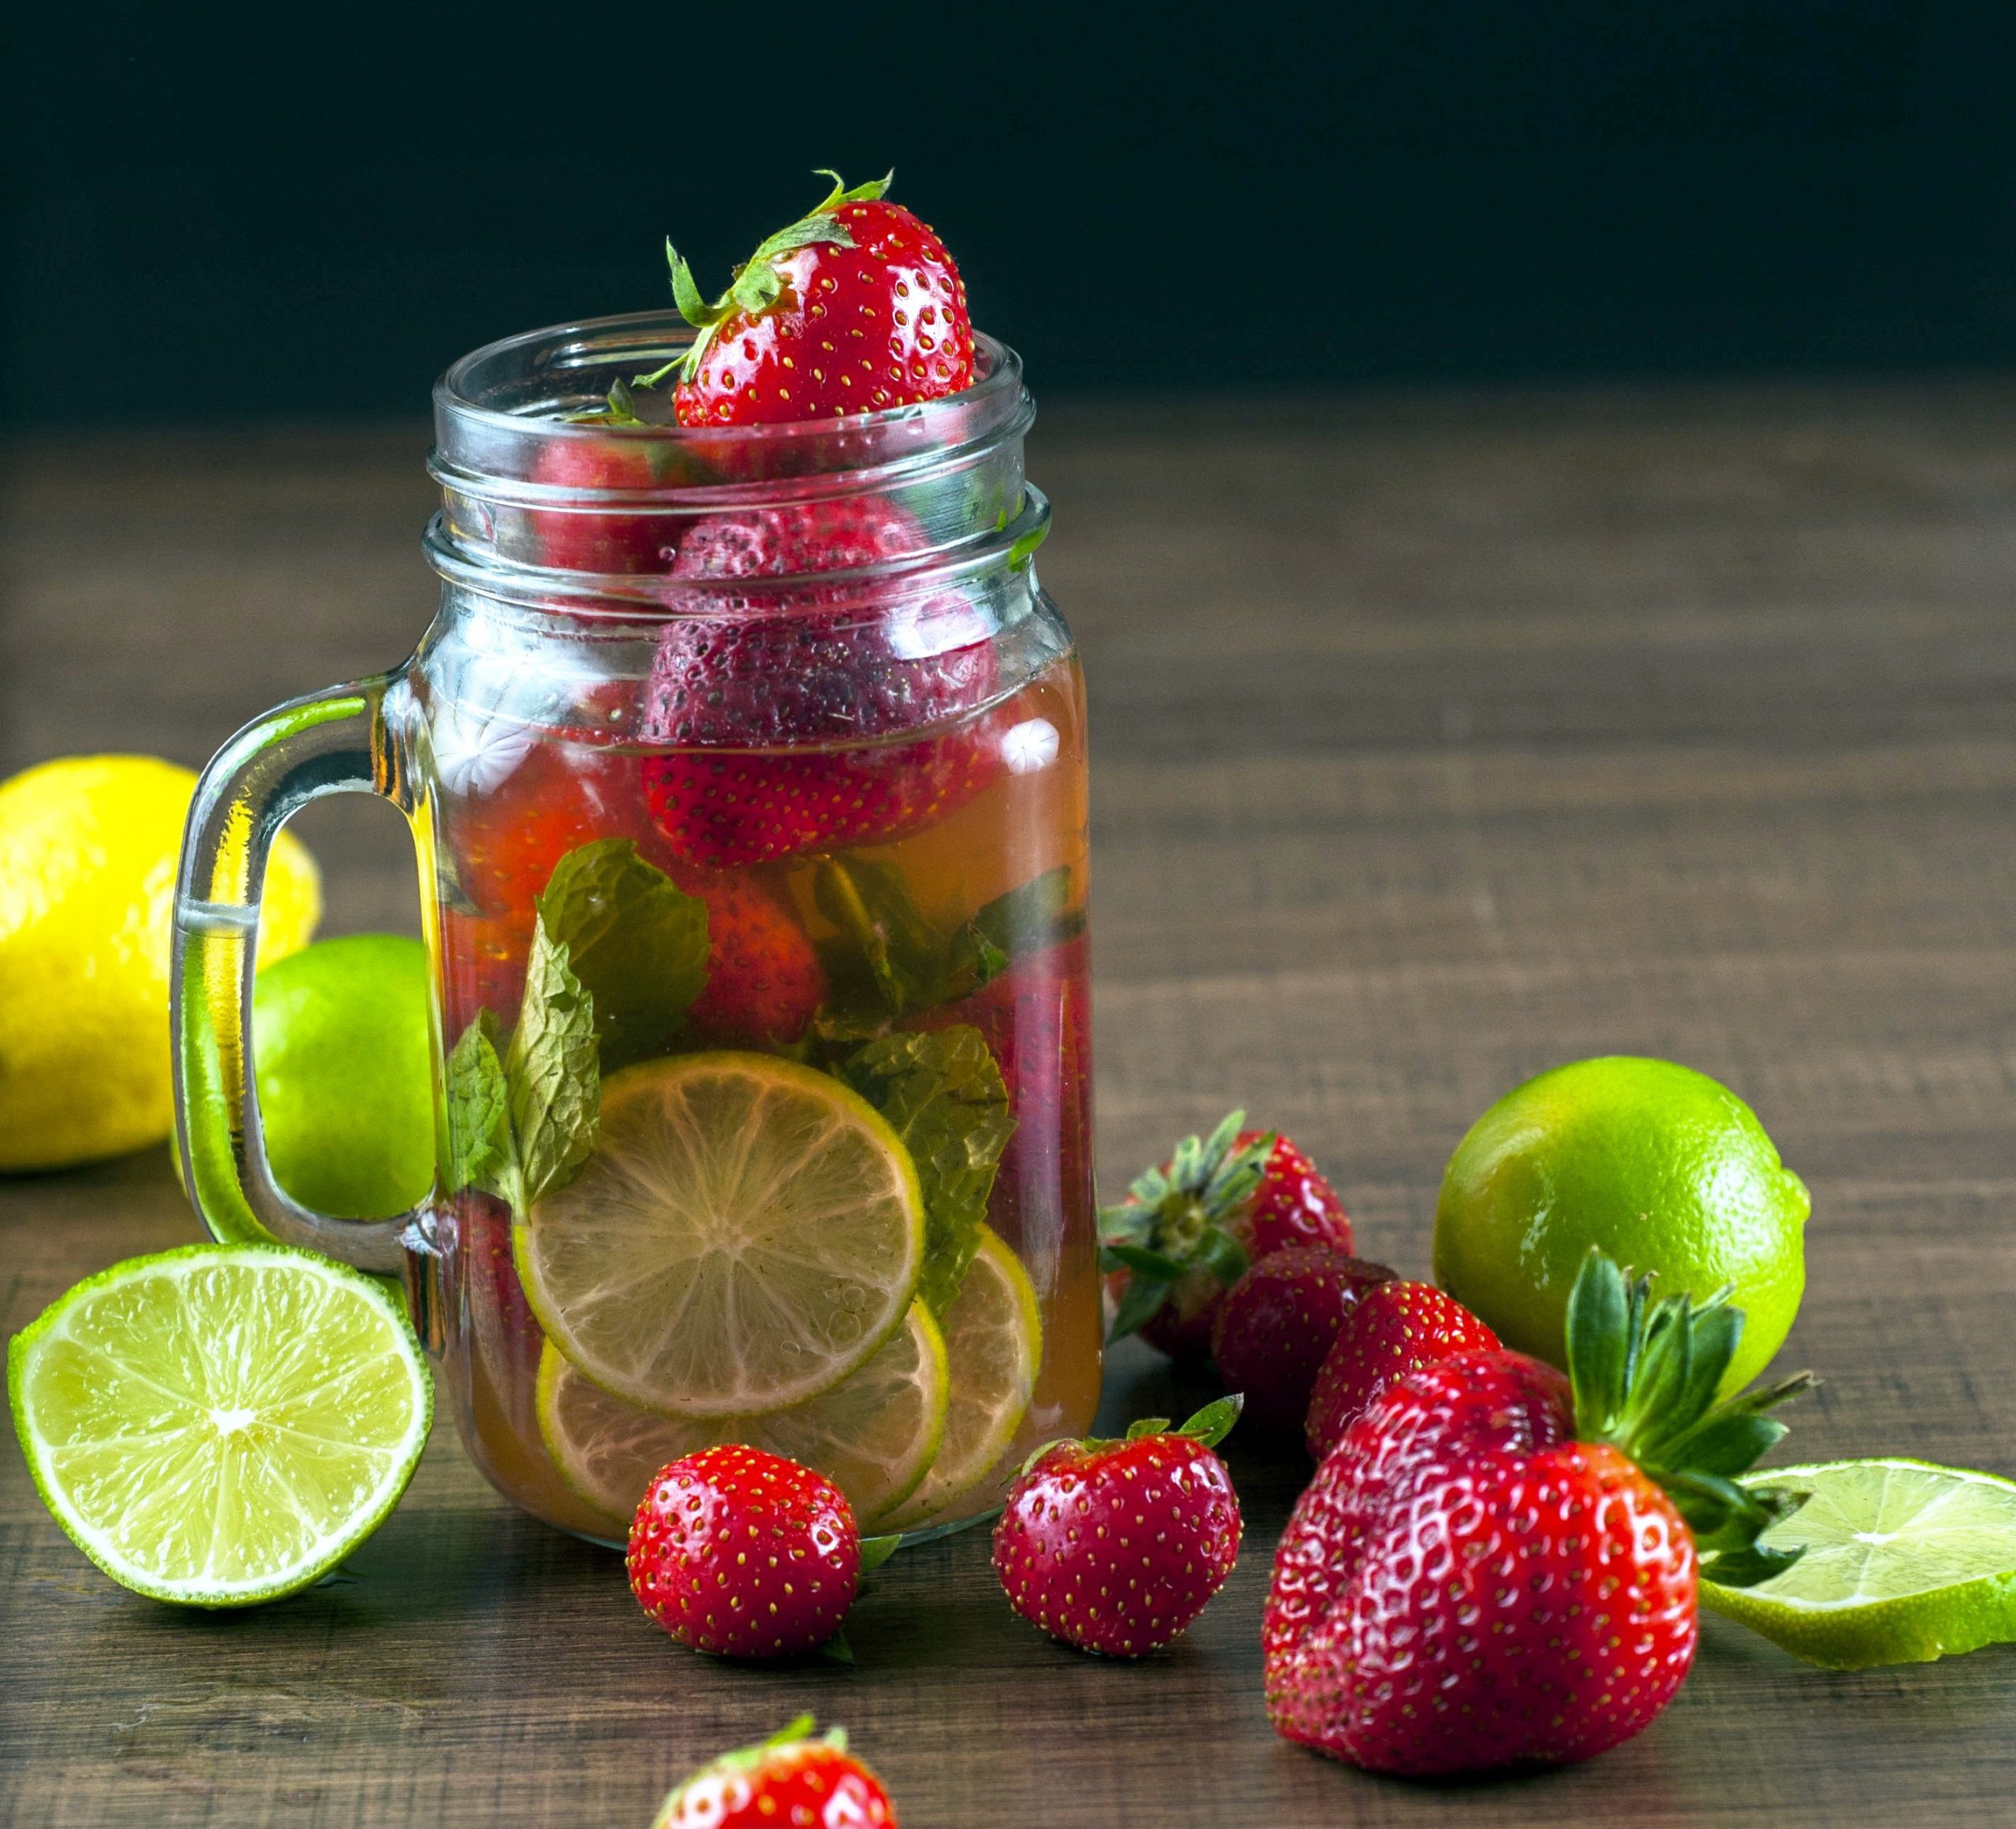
(746, 770)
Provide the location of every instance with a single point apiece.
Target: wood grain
(1435, 742)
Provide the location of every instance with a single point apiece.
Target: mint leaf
(942, 1094)
(636, 943)
(1030, 918)
(554, 1089)
(479, 1150)
(888, 947)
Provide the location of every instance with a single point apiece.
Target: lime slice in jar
(994, 1343)
(872, 1434)
(221, 1424)
(747, 1233)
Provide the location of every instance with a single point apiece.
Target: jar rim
(464, 396)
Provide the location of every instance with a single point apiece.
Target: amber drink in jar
(746, 771)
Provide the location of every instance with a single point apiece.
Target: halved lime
(872, 1434)
(223, 1423)
(747, 1233)
(994, 1342)
(1905, 1561)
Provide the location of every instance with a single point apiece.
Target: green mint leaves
(637, 946)
(618, 954)
(481, 1153)
(941, 1093)
(555, 1088)
(889, 961)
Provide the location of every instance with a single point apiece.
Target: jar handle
(330, 742)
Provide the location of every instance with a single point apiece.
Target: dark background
(313, 211)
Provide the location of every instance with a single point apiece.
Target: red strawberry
(743, 1553)
(765, 982)
(1116, 1546)
(791, 1779)
(1275, 1327)
(854, 308)
(1395, 1329)
(593, 533)
(1497, 1566)
(1187, 1230)
(770, 700)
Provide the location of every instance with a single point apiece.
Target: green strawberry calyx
(757, 282)
(1208, 1427)
(1645, 1373)
(1174, 1219)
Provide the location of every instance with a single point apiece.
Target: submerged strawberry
(854, 308)
(1187, 1231)
(1116, 1546)
(1498, 1565)
(591, 528)
(1395, 1329)
(792, 1781)
(770, 702)
(765, 982)
(1275, 1325)
(744, 1553)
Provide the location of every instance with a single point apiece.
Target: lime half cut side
(994, 1343)
(221, 1424)
(747, 1233)
(872, 1434)
(1905, 1561)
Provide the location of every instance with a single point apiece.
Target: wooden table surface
(1435, 742)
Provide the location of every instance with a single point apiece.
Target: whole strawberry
(1497, 1565)
(854, 308)
(1187, 1230)
(1275, 1327)
(791, 1778)
(1396, 1328)
(1116, 1546)
(765, 982)
(770, 702)
(743, 1553)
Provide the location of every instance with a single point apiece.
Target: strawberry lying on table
(1499, 1564)
(1188, 1229)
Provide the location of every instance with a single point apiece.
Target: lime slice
(747, 1233)
(1905, 1562)
(221, 1424)
(872, 1434)
(994, 1341)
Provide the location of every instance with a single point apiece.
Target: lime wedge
(223, 1423)
(994, 1342)
(872, 1434)
(747, 1233)
(1905, 1562)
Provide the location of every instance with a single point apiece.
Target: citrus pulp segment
(221, 1424)
(994, 1345)
(872, 1434)
(747, 1233)
(1904, 1562)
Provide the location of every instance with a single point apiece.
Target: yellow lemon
(88, 847)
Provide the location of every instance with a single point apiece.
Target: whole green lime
(341, 1049)
(1666, 1170)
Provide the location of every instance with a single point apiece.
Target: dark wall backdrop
(313, 211)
